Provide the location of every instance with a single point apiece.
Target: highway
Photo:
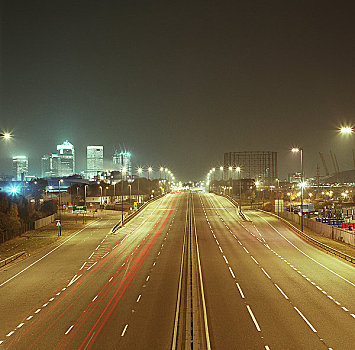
(186, 273)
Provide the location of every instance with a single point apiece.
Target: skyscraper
(66, 155)
(123, 160)
(20, 167)
(94, 160)
(50, 165)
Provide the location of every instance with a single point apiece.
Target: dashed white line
(91, 255)
(231, 271)
(20, 325)
(220, 249)
(281, 291)
(95, 298)
(37, 311)
(51, 299)
(254, 260)
(104, 255)
(69, 329)
(124, 330)
(110, 279)
(344, 308)
(44, 305)
(10, 334)
(240, 291)
(267, 275)
(98, 247)
(246, 249)
(305, 319)
(29, 317)
(225, 259)
(92, 265)
(139, 298)
(147, 278)
(254, 319)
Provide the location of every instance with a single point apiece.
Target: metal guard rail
(11, 259)
(314, 241)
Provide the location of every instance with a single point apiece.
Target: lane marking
(124, 330)
(83, 265)
(254, 319)
(225, 259)
(245, 248)
(37, 311)
(29, 317)
(10, 334)
(139, 298)
(44, 256)
(92, 265)
(231, 271)
(91, 255)
(254, 260)
(266, 274)
(20, 325)
(240, 291)
(305, 319)
(69, 329)
(95, 298)
(281, 291)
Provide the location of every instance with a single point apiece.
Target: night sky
(178, 83)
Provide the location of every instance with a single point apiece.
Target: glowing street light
(6, 135)
(346, 130)
(150, 169)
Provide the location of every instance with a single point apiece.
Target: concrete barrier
(44, 221)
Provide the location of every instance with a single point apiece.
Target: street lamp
(139, 174)
(161, 170)
(123, 171)
(60, 212)
(6, 135)
(238, 170)
(300, 150)
(85, 193)
(149, 171)
(100, 195)
(346, 130)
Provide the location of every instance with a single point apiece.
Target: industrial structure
(122, 160)
(260, 166)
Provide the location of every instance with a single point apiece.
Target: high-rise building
(50, 165)
(94, 160)
(20, 167)
(66, 155)
(123, 160)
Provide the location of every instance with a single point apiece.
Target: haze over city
(177, 83)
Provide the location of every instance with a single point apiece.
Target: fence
(44, 221)
(325, 230)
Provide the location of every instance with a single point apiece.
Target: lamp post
(139, 174)
(130, 190)
(161, 170)
(60, 210)
(149, 171)
(123, 171)
(238, 170)
(85, 194)
(300, 150)
(230, 178)
(100, 195)
(278, 203)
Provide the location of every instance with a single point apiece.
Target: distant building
(19, 167)
(94, 160)
(123, 160)
(50, 165)
(260, 166)
(66, 154)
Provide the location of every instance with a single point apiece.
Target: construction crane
(324, 163)
(333, 161)
(336, 163)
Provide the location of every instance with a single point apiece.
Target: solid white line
(139, 298)
(69, 329)
(304, 319)
(124, 330)
(281, 291)
(83, 265)
(20, 325)
(231, 271)
(44, 256)
(253, 318)
(92, 265)
(240, 291)
(266, 273)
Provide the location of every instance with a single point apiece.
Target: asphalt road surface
(264, 287)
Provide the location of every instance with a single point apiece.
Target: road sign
(58, 223)
(135, 206)
(80, 209)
